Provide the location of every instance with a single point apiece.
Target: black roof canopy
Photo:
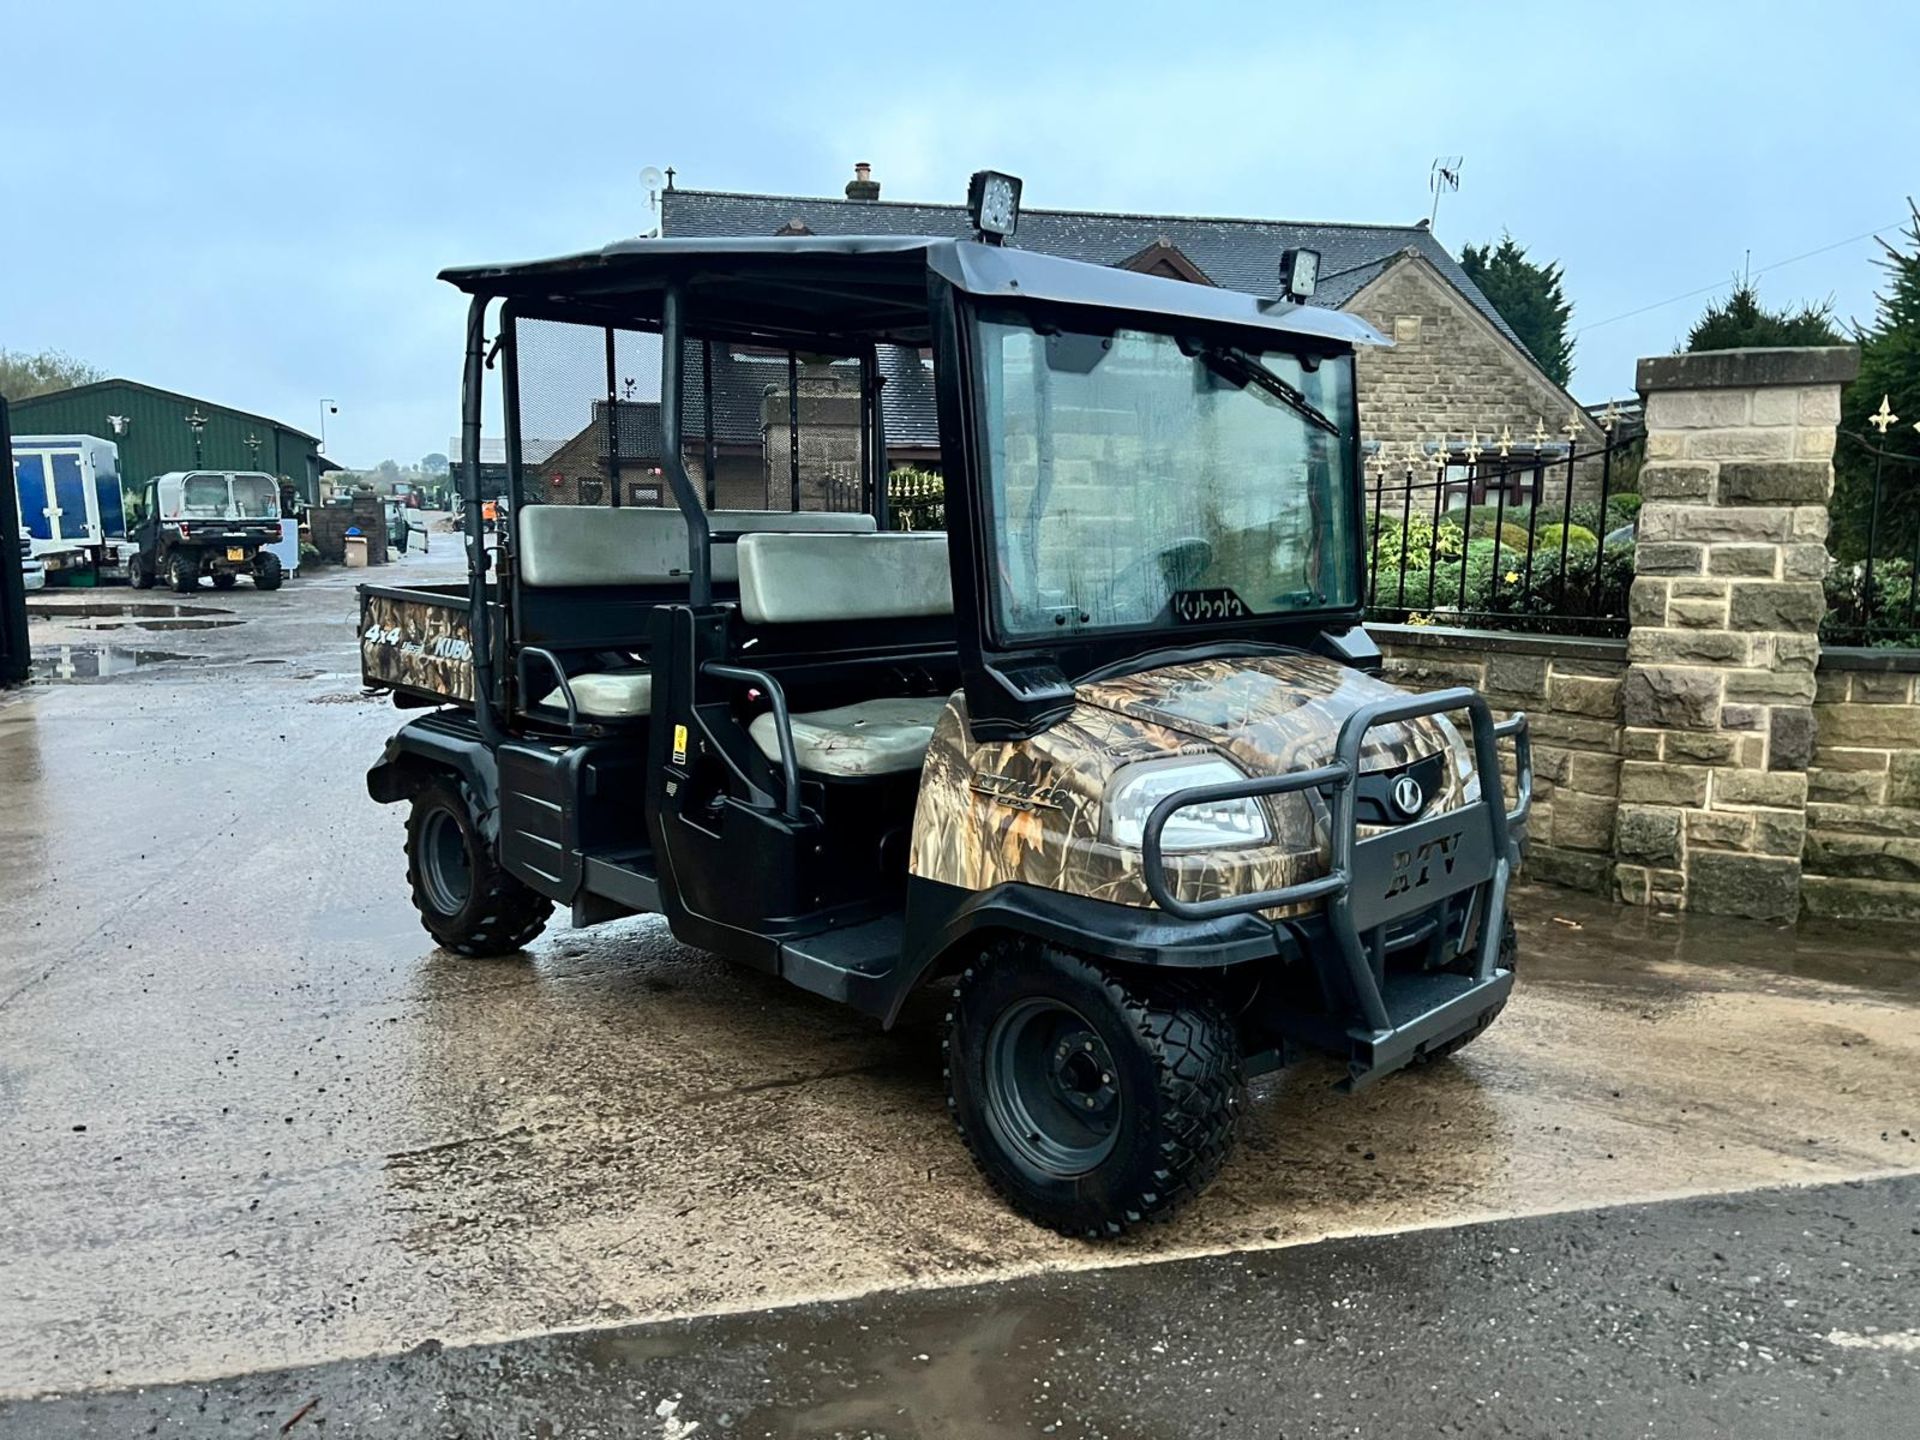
(779, 290)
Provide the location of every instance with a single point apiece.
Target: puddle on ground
(94, 662)
(92, 609)
(197, 623)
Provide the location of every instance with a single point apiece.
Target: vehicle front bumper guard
(1375, 881)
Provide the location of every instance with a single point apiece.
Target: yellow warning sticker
(679, 744)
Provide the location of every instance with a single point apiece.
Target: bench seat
(607, 694)
(874, 737)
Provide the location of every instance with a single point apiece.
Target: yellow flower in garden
(1513, 577)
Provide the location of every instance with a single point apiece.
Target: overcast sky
(249, 202)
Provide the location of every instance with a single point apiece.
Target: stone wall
(1570, 689)
(1725, 612)
(1862, 857)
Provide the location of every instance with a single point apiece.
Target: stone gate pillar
(1725, 610)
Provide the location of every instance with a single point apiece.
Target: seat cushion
(572, 545)
(810, 579)
(608, 694)
(874, 737)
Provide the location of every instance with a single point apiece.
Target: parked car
(31, 565)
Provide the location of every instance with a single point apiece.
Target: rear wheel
(1090, 1101)
(1509, 959)
(183, 571)
(267, 573)
(466, 901)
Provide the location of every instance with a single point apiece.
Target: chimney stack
(863, 186)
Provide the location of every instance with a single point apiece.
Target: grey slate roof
(1233, 253)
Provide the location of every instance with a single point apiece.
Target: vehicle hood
(1272, 713)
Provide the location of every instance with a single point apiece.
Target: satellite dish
(651, 180)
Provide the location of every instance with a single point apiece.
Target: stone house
(754, 427)
(1456, 370)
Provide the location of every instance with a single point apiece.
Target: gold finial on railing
(1609, 417)
(1883, 418)
(1439, 457)
(1377, 462)
(1539, 432)
(1572, 428)
(1416, 457)
(1473, 452)
(1506, 441)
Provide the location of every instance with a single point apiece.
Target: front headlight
(1218, 825)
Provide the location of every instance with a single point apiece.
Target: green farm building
(159, 430)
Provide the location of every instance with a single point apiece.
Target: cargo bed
(417, 641)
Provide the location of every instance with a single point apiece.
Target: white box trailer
(71, 504)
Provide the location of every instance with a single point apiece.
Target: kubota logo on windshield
(1415, 868)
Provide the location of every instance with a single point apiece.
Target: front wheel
(466, 901)
(183, 571)
(1091, 1101)
(139, 574)
(267, 573)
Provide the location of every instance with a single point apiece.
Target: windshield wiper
(1237, 365)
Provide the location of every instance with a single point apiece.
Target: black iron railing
(1507, 535)
(1872, 597)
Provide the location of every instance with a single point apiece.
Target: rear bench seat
(574, 546)
(814, 579)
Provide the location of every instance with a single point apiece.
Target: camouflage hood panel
(1030, 811)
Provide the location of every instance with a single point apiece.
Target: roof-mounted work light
(993, 202)
(1299, 273)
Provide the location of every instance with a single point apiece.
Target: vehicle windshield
(1140, 480)
(204, 497)
(255, 497)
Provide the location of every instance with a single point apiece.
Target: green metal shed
(152, 429)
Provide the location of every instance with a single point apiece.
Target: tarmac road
(251, 1119)
(1769, 1315)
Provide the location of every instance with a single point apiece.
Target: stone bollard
(1725, 614)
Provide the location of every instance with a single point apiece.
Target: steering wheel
(1137, 591)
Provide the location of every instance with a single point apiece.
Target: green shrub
(1578, 537)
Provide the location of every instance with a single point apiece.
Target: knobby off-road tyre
(225, 582)
(1509, 960)
(268, 573)
(466, 901)
(183, 571)
(1090, 1100)
(138, 575)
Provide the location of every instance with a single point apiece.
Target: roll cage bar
(844, 295)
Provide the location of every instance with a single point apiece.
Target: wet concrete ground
(251, 1119)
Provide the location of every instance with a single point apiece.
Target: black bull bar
(1373, 882)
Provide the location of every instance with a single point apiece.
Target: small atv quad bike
(208, 522)
(1105, 765)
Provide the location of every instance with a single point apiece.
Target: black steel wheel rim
(1052, 1099)
(444, 868)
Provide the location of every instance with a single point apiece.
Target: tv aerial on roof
(1442, 179)
(653, 180)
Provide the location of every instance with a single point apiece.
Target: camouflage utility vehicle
(1105, 766)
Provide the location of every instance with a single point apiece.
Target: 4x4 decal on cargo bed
(417, 645)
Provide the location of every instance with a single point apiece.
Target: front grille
(1374, 795)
